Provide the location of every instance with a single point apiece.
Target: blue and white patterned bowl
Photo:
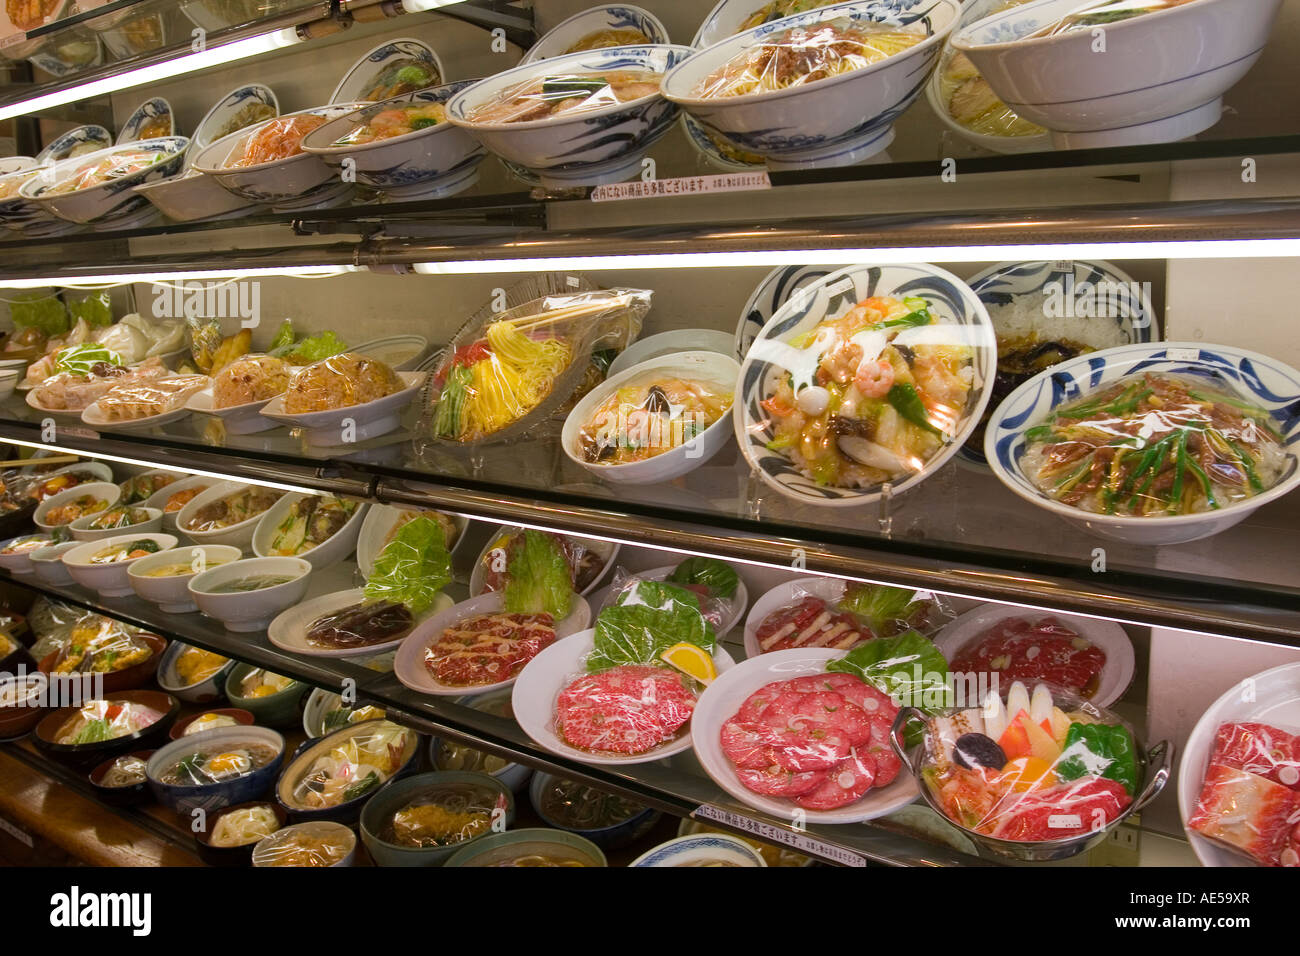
(361, 76)
(146, 114)
(700, 849)
(27, 216)
(832, 122)
(1161, 76)
(436, 160)
(228, 108)
(83, 139)
(615, 16)
(1133, 316)
(111, 201)
(833, 295)
(598, 146)
(1263, 381)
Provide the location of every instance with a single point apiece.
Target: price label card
(776, 834)
(1184, 355)
(683, 186)
(1063, 265)
(1064, 821)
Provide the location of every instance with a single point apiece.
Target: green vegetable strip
(451, 404)
(1204, 479)
(905, 400)
(1180, 466)
(1247, 465)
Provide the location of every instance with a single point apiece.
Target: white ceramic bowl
(206, 691)
(379, 522)
(831, 122)
(1161, 78)
(20, 562)
(361, 75)
(402, 353)
(171, 593)
(48, 564)
(1263, 381)
(699, 849)
(331, 551)
(160, 498)
(723, 698)
(1116, 674)
(596, 146)
(192, 196)
(962, 318)
(554, 669)
(26, 216)
(227, 108)
(102, 490)
(8, 382)
(425, 164)
(352, 423)
(109, 580)
(712, 368)
(239, 535)
(110, 202)
(734, 606)
(81, 140)
(725, 20)
(245, 611)
(785, 594)
(607, 549)
(288, 630)
(667, 343)
(147, 113)
(615, 16)
(302, 177)
(82, 531)
(409, 667)
(1271, 697)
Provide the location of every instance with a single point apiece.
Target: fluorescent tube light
(305, 272)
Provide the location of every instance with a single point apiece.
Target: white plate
(94, 417)
(370, 419)
(243, 419)
(665, 343)
(735, 605)
(1116, 674)
(379, 521)
(723, 698)
(609, 548)
(288, 630)
(830, 590)
(1271, 697)
(409, 667)
(30, 398)
(554, 669)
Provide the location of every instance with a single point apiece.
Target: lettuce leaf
(538, 579)
(316, 347)
(413, 568)
(651, 617)
(39, 310)
(878, 604)
(719, 577)
(908, 668)
(94, 307)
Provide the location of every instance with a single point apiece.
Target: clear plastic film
(858, 613)
(505, 371)
(209, 349)
(243, 825)
(488, 648)
(277, 139)
(1033, 647)
(140, 488)
(202, 763)
(126, 771)
(90, 377)
(1155, 444)
(96, 721)
(69, 511)
(119, 517)
(340, 381)
(871, 392)
(310, 521)
(446, 814)
(97, 645)
(361, 625)
(127, 402)
(252, 378)
(232, 509)
(712, 582)
(1031, 766)
(586, 559)
(803, 55)
(360, 760)
(99, 172)
(650, 416)
(318, 843)
(52, 622)
(1250, 797)
(413, 568)
(820, 741)
(566, 93)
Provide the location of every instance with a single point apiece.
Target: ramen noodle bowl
(99, 186)
(819, 89)
(599, 27)
(578, 119)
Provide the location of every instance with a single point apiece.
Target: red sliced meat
(775, 782)
(624, 710)
(845, 783)
(746, 746)
(757, 703)
(834, 712)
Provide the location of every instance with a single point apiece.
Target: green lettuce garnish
(39, 310)
(79, 359)
(538, 579)
(649, 618)
(718, 576)
(93, 307)
(283, 337)
(909, 668)
(878, 604)
(414, 567)
(316, 347)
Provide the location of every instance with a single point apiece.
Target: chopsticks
(569, 312)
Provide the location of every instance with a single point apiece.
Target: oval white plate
(723, 698)
(289, 629)
(735, 606)
(245, 419)
(409, 667)
(94, 417)
(371, 419)
(554, 669)
(783, 595)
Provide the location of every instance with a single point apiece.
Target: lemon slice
(692, 660)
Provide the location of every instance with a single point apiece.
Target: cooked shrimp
(839, 362)
(874, 379)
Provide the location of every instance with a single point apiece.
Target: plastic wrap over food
(364, 624)
(1155, 444)
(716, 606)
(413, 568)
(585, 557)
(359, 762)
(650, 416)
(444, 814)
(244, 825)
(803, 55)
(516, 367)
(971, 102)
(859, 613)
(565, 93)
(124, 403)
(318, 843)
(252, 378)
(232, 509)
(1250, 798)
(97, 645)
(340, 381)
(278, 139)
(1031, 766)
(52, 622)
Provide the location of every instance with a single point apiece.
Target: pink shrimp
(874, 379)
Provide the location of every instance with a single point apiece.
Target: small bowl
(171, 593)
(241, 717)
(320, 703)
(331, 551)
(82, 531)
(26, 216)
(47, 563)
(90, 754)
(710, 368)
(213, 796)
(268, 848)
(202, 692)
(110, 202)
(231, 855)
(377, 811)
(148, 113)
(126, 679)
(612, 837)
(348, 811)
(130, 796)
(20, 717)
(359, 80)
(274, 710)
(250, 610)
(237, 535)
(702, 849)
(561, 38)
(110, 580)
(106, 491)
(590, 147)
(20, 562)
(490, 850)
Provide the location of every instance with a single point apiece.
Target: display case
(1080, 402)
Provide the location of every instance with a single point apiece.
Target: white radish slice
(1017, 699)
(1040, 704)
(995, 715)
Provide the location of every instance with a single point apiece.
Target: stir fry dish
(397, 121)
(233, 509)
(122, 516)
(100, 646)
(78, 507)
(567, 94)
(1152, 445)
(642, 420)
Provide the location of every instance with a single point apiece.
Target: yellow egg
(229, 763)
(262, 690)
